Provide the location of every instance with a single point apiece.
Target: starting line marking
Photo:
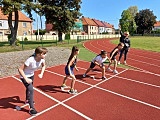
(59, 103)
(91, 86)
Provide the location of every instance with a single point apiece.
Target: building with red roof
(24, 24)
(157, 25)
(101, 26)
(89, 26)
(109, 28)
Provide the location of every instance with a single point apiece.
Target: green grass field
(144, 43)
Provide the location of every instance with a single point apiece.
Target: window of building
(24, 24)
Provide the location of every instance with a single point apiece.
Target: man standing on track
(126, 41)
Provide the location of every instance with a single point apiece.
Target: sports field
(132, 94)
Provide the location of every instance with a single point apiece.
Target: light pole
(37, 21)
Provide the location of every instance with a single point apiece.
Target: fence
(4, 38)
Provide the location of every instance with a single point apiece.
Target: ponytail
(74, 49)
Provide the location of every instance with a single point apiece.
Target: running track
(129, 95)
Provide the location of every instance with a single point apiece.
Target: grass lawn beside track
(144, 43)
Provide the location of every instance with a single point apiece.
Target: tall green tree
(11, 8)
(145, 21)
(125, 20)
(133, 11)
(61, 13)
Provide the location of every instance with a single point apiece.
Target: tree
(11, 8)
(125, 20)
(61, 13)
(145, 21)
(133, 10)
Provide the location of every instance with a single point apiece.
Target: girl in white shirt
(98, 60)
(27, 74)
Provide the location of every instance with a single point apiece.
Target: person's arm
(21, 72)
(76, 68)
(42, 70)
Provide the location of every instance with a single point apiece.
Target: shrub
(67, 36)
(17, 43)
(25, 39)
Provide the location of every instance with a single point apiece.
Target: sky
(110, 10)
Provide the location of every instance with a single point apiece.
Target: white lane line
(132, 99)
(141, 52)
(138, 81)
(93, 71)
(59, 103)
(68, 78)
(144, 62)
(147, 72)
(135, 55)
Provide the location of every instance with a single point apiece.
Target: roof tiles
(22, 17)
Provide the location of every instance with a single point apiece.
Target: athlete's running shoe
(72, 91)
(32, 111)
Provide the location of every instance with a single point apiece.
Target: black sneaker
(104, 78)
(71, 91)
(32, 111)
(27, 102)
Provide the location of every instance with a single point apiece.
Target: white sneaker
(109, 69)
(115, 71)
(84, 75)
(125, 62)
(119, 63)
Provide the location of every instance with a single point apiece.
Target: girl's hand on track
(40, 75)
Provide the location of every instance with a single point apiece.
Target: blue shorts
(67, 71)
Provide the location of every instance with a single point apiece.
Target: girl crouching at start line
(71, 64)
(98, 60)
(113, 55)
(27, 74)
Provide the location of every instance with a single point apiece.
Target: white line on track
(153, 59)
(134, 60)
(141, 52)
(131, 58)
(59, 103)
(138, 82)
(129, 98)
(96, 86)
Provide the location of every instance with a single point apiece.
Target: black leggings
(125, 51)
(29, 91)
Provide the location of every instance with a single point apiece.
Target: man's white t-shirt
(32, 65)
(99, 59)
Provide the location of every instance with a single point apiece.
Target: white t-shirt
(32, 65)
(99, 59)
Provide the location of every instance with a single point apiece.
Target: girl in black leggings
(27, 74)
(126, 41)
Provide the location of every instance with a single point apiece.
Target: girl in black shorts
(113, 55)
(98, 60)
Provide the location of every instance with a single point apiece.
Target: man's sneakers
(84, 75)
(32, 111)
(72, 91)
